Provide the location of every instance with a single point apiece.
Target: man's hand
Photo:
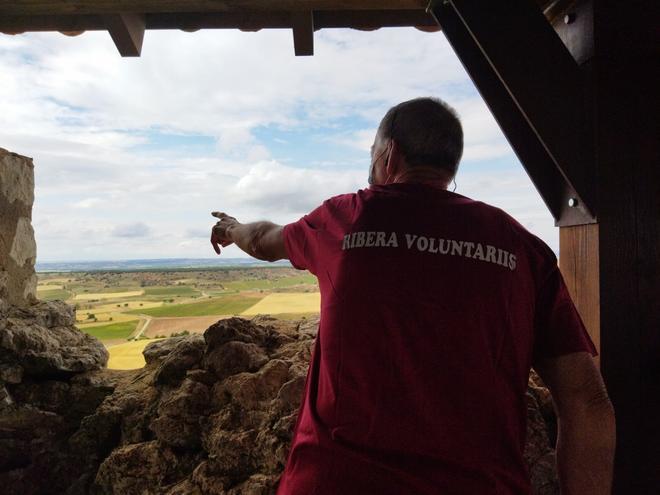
(262, 240)
(220, 232)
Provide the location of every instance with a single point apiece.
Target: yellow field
(293, 302)
(108, 295)
(56, 280)
(103, 312)
(49, 287)
(128, 356)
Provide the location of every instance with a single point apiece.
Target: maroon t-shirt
(433, 309)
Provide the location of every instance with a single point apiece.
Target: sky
(132, 154)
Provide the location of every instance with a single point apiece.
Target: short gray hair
(428, 132)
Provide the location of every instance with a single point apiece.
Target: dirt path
(145, 320)
(166, 326)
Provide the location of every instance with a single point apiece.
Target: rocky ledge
(209, 414)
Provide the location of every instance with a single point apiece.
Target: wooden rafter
(536, 92)
(357, 19)
(303, 32)
(127, 31)
(79, 7)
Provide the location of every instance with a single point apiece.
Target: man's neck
(424, 175)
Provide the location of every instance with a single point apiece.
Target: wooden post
(613, 268)
(579, 264)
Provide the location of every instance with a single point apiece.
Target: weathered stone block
(18, 250)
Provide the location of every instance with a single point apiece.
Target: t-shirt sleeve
(301, 239)
(558, 326)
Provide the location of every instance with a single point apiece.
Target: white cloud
(81, 110)
(137, 229)
(270, 185)
(512, 191)
(87, 203)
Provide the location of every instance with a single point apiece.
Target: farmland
(286, 303)
(126, 310)
(231, 304)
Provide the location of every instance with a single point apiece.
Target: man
(433, 309)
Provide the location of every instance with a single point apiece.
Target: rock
(201, 376)
(180, 414)
(539, 453)
(233, 330)
(186, 354)
(35, 430)
(541, 394)
(48, 314)
(11, 373)
(257, 484)
(16, 178)
(42, 340)
(205, 479)
(234, 357)
(6, 400)
(140, 469)
(250, 390)
(157, 351)
(24, 248)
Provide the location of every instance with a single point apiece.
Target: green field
(120, 330)
(225, 305)
(267, 284)
(53, 294)
(97, 288)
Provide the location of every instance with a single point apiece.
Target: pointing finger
(214, 243)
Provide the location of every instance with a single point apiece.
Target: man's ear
(395, 160)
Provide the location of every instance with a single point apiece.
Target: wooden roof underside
(127, 20)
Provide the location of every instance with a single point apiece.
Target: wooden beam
(127, 31)
(303, 33)
(249, 21)
(553, 186)
(77, 7)
(541, 77)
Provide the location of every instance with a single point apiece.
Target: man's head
(419, 136)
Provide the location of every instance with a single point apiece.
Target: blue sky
(131, 155)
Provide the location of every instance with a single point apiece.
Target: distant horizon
(153, 264)
(156, 263)
(115, 260)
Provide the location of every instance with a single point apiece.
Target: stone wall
(18, 250)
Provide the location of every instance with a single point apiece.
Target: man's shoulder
(343, 199)
(530, 240)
